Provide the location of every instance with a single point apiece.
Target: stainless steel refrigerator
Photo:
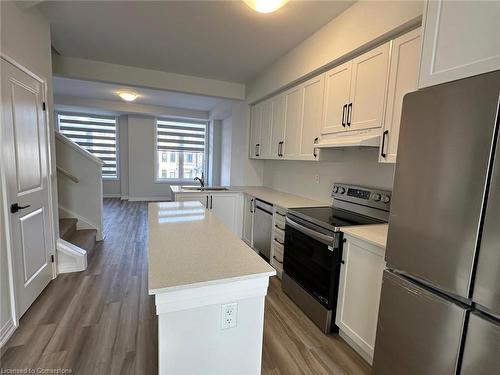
(440, 303)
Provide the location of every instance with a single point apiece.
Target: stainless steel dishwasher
(262, 228)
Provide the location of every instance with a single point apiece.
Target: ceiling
(223, 40)
(107, 91)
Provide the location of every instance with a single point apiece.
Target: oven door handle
(323, 238)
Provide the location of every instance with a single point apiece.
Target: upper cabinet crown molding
(460, 39)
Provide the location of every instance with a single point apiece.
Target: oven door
(312, 259)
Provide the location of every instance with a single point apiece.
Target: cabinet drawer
(278, 236)
(278, 251)
(279, 218)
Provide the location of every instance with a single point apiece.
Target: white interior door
(25, 156)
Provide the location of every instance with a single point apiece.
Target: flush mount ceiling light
(128, 96)
(265, 6)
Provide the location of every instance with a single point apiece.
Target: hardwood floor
(102, 321)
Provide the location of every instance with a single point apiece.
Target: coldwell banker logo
(37, 370)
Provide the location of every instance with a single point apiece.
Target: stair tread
(67, 227)
(84, 238)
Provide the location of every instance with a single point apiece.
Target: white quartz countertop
(375, 234)
(190, 247)
(276, 197)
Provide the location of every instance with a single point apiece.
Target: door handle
(343, 114)
(382, 153)
(211, 201)
(257, 149)
(251, 206)
(206, 205)
(349, 113)
(15, 207)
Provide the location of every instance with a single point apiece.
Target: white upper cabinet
(312, 111)
(368, 89)
(266, 129)
(293, 122)
(278, 125)
(255, 128)
(337, 94)
(403, 76)
(460, 39)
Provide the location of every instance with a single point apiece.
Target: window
(184, 141)
(96, 134)
(164, 157)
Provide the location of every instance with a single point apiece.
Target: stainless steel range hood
(368, 139)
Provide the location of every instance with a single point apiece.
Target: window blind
(180, 135)
(96, 134)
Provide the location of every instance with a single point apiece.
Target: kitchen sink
(207, 188)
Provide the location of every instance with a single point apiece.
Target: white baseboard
(112, 195)
(6, 332)
(124, 197)
(82, 223)
(150, 199)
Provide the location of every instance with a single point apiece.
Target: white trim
(149, 199)
(78, 149)
(71, 257)
(116, 195)
(6, 332)
(83, 223)
(124, 197)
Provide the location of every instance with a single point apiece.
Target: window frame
(117, 137)
(183, 181)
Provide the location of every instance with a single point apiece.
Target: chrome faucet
(201, 180)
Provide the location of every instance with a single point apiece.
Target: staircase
(83, 238)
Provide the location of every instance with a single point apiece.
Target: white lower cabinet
(359, 294)
(248, 211)
(226, 206)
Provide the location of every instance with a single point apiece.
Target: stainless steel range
(313, 248)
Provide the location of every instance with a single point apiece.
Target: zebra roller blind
(180, 135)
(96, 134)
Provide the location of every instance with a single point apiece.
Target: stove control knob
(335, 189)
(386, 198)
(376, 197)
(341, 190)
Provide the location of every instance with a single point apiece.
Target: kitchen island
(209, 289)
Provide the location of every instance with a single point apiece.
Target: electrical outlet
(229, 315)
(316, 178)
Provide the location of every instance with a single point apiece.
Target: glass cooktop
(332, 218)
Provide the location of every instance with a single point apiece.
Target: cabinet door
(359, 293)
(314, 90)
(403, 76)
(368, 88)
(248, 209)
(460, 39)
(337, 93)
(278, 125)
(226, 207)
(293, 121)
(266, 129)
(255, 127)
(202, 198)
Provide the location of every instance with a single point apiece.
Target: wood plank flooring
(102, 321)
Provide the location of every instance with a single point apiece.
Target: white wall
(214, 145)
(25, 37)
(358, 27)
(226, 152)
(358, 167)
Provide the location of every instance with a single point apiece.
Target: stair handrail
(67, 174)
(78, 148)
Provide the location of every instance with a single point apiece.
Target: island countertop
(190, 247)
